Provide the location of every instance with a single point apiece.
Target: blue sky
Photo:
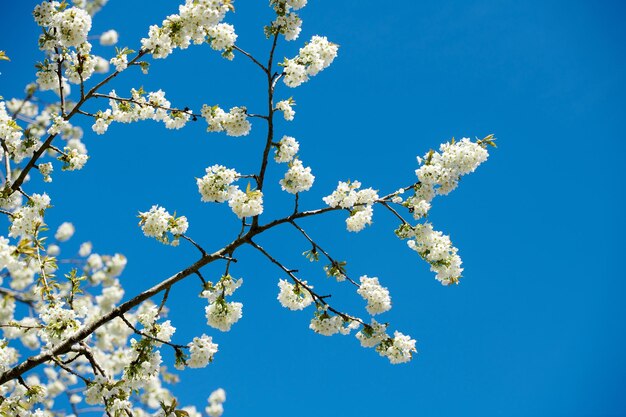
(536, 326)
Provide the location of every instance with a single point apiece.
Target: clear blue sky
(536, 327)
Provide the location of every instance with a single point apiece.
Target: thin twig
(386, 205)
(188, 239)
(147, 336)
(70, 370)
(326, 254)
(164, 300)
(147, 103)
(314, 295)
(236, 48)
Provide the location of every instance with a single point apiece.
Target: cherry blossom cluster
(234, 123)
(286, 149)
(216, 186)
(294, 296)
(73, 159)
(314, 57)
(286, 106)
(436, 249)
(105, 350)
(157, 223)
(201, 351)
(120, 60)
(26, 220)
(327, 325)
(348, 196)
(220, 313)
(66, 26)
(11, 134)
(109, 38)
(287, 23)
(141, 106)
(439, 173)
(216, 401)
(60, 314)
(328, 321)
(64, 38)
(64, 232)
(22, 144)
(247, 203)
(377, 296)
(298, 178)
(398, 349)
(197, 21)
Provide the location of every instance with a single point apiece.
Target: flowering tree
(68, 339)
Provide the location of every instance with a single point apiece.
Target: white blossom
(289, 25)
(377, 296)
(287, 149)
(326, 325)
(246, 204)
(360, 202)
(216, 401)
(359, 218)
(286, 106)
(235, 122)
(64, 232)
(103, 120)
(294, 296)
(296, 4)
(59, 323)
(194, 20)
(437, 249)
(201, 351)
(157, 222)
(216, 186)
(314, 57)
(226, 286)
(399, 349)
(101, 65)
(74, 159)
(53, 250)
(8, 356)
(109, 38)
(85, 249)
(440, 172)
(58, 125)
(120, 61)
(46, 169)
(28, 218)
(222, 315)
(297, 178)
(69, 26)
(372, 334)
(222, 37)
(72, 25)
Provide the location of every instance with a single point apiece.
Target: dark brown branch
(388, 207)
(236, 48)
(190, 240)
(84, 332)
(15, 186)
(164, 300)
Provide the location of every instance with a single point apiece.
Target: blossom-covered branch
(72, 332)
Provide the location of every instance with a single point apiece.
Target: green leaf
(489, 140)
(3, 56)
